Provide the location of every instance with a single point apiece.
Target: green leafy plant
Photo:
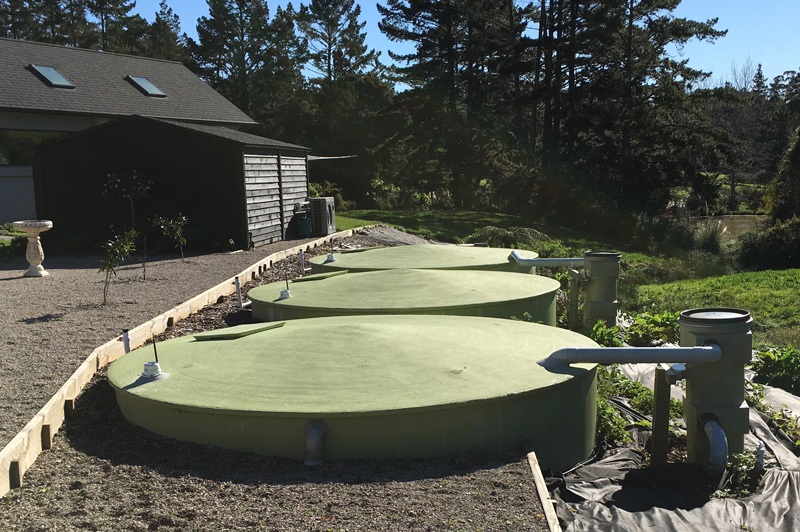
(652, 329)
(172, 228)
(743, 473)
(610, 425)
(604, 335)
(513, 237)
(779, 367)
(115, 251)
(15, 248)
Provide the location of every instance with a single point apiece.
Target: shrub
(386, 196)
(779, 367)
(115, 251)
(708, 238)
(604, 335)
(514, 237)
(777, 248)
(15, 248)
(172, 228)
(652, 329)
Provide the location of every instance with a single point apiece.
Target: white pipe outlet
(717, 443)
(630, 355)
(546, 263)
(316, 430)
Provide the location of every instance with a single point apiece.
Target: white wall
(16, 194)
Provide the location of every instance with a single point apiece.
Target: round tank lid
(712, 316)
(353, 364)
(603, 254)
(406, 289)
(422, 256)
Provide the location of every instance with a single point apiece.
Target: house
(94, 113)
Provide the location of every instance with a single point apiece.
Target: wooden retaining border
(544, 495)
(21, 452)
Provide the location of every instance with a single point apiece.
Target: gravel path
(49, 325)
(105, 474)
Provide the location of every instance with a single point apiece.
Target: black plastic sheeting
(615, 494)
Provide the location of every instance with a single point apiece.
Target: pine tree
(17, 20)
(50, 18)
(335, 38)
(248, 58)
(113, 18)
(786, 187)
(164, 39)
(78, 31)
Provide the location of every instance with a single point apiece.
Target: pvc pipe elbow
(717, 443)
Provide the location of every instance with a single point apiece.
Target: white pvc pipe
(126, 341)
(631, 355)
(547, 263)
(316, 430)
(239, 299)
(718, 445)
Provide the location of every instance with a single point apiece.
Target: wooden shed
(230, 185)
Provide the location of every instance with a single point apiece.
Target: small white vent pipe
(240, 302)
(630, 355)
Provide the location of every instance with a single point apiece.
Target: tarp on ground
(615, 495)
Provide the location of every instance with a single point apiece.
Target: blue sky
(763, 31)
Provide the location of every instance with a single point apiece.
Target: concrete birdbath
(34, 253)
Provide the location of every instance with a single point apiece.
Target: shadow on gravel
(42, 319)
(97, 428)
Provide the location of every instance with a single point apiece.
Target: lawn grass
(770, 296)
(455, 226)
(450, 226)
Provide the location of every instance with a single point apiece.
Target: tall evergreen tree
(78, 30)
(17, 19)
(335, 38)
(249, 58)
(113, 18)
(642, 125)
(164, 39)
(50, 18)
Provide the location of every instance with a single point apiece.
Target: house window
(51, 76)
(146, 86)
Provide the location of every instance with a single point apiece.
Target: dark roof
(101, 88)
(230, 134)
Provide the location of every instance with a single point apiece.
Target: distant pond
(733, 225)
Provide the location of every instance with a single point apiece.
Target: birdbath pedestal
(34, 253)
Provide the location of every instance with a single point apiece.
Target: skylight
(51, 76)
(146, 86)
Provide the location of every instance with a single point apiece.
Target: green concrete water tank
(408, 291)
(385, 386)
(422, 256)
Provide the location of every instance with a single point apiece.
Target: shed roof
(246, 139)
(101, 87)
(220, 132)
